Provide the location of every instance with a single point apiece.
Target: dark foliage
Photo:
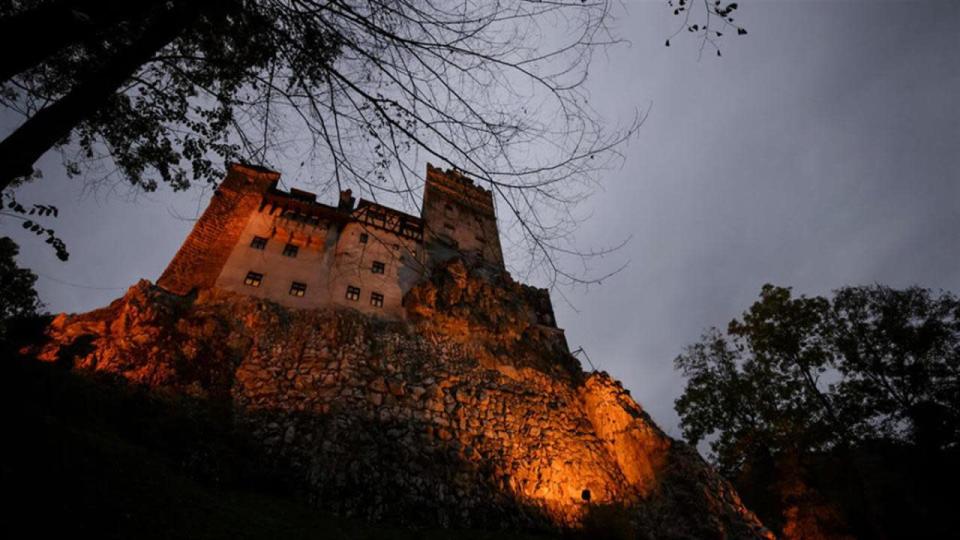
(18, 299)
(838, 415)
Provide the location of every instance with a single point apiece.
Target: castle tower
(203, 254)
(459, 219)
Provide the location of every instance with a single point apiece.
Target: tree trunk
(21, 149)
(38, 33)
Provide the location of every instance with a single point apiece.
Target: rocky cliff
(468, 414)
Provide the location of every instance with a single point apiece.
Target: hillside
(469, 416)
(97, 457)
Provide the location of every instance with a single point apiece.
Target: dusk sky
(819, 151)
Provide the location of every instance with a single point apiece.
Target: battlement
(453, 183)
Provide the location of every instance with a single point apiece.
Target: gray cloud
(820, 151)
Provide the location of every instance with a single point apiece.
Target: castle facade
(261, 241)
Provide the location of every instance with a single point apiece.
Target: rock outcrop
(470, 414)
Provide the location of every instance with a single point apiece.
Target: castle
(288, 248)
(446, 397)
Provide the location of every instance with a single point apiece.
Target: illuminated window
(298, 289)
(376, 299)
(363, 238)
(253, 279)
(378, 267)
(258, 242)
(353, 293)
(290, 250)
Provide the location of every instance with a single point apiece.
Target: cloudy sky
(819, 151)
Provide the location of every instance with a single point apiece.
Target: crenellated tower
(459, 219)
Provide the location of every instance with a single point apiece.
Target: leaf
(667, 43)
(741, 31)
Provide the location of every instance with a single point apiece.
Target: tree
(166, 90)
(18, 299)
(798, 384)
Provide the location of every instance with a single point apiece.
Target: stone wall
(467, 414)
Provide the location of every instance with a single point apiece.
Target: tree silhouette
(17, 295)
(800, 388)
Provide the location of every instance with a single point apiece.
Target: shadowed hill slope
(471, 415)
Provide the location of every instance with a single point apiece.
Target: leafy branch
(18, 211)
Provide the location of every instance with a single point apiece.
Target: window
(298, 289)
(409, 229)
(449, 210)
(376, 299)
(378, 267)
(290, 250)
(258, 242)
(253, 279)
(353, 293)
(363, 238)
(293, 215)
(448, 226)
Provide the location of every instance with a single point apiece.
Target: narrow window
(290, 250)
(258, 242)
(363, 238)
(448, 226)
(353, 293)
(253, 279)
(376, 299)
(298, 289)
(378, 267)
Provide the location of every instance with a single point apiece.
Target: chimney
(346, 200)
